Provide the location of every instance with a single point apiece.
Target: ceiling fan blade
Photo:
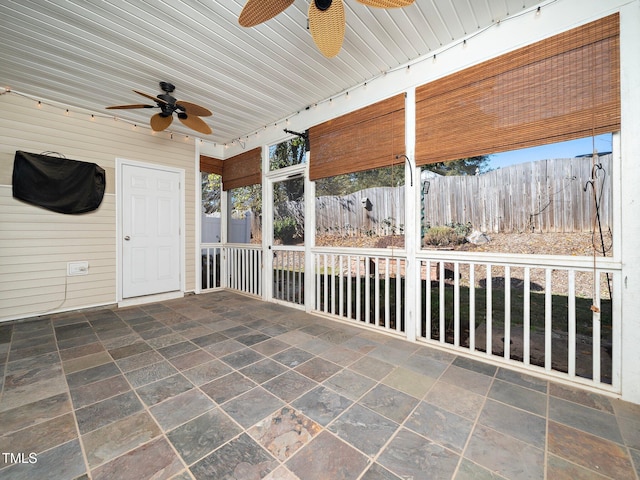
(386, 3)
(327, 27)
(258, 11)
(139, 105)
(159, 123)
(155, 99)
(193, 109)
(196, 123)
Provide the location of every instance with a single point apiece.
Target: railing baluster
(526, 321)
(596, 327)
(341, 285)
(349, 287)
(489, 310)
(548, 306)
(442, 325)
(326, 285)
(317, 275)
(456, 304)
(358, 292)
(333, 285)
(472, 308)
(507, 312)
(387, 294)
(399, 295)
(571, 324)
(427, 301)
(367, 290)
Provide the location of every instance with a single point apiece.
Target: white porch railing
(244, 268)
(366, 287)
(238, 267)
(555, 315)
(211, 265)
(288, 274)
(551, 314)
(546, 314)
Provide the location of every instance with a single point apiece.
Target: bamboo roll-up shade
(367, 138)
(242, 170)
(562, 88)
(210, 165)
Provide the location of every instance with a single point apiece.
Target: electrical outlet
(77, 268)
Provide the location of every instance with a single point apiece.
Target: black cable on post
(410, 166)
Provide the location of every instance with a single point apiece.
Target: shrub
(444, 235)
(284, 229)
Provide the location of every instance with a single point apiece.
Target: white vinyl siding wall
(36, 244)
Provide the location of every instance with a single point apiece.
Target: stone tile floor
(220, 386)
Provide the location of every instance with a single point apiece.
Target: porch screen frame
(562, 88)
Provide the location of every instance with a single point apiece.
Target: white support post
(411, 222)
(309, 239)
(629, 224)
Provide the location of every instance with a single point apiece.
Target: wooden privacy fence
(543, 196)
(373, 211)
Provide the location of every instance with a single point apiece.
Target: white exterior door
(150, 234)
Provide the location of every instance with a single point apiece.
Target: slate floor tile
(583, 418)
(517, 423)
(252, 406)
(289, 386)
(377, 472)
(39, 437)
(364, 429)
(161, 390)
(589, 451)
(155, 459)
(100, 390)
(455, 399)
(293, 357)
(318, 369)
(350, 384)
(242, 358)
(64, 461)
(112, 440)
(505, 455)
(284, 432)
(443, 427)
(326, 457)
(107, 411)
(200, 436)
(408, 455)
(227, 387)
(240, 458)
(322, 405)
(181, 408)
(207, 372)
(389, 402)
(519, 397)
(263, 371)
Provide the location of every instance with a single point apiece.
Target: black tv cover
(58, 184)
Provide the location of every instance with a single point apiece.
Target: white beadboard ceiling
(89, 54)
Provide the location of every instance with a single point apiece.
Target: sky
(568, 149)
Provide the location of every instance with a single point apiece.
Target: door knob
(127, 238)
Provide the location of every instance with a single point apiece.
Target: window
(361, 209)
(551, 200)
(288, 153)
(245, 215)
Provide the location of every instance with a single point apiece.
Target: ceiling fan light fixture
(188, 113)
(325, 21)
(323, 5)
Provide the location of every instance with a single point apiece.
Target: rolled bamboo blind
(242, 170)
(562, 88)
(367, 138)
(210, 165)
